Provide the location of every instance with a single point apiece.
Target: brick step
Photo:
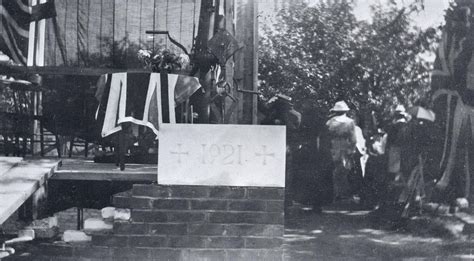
(142, 202)
(202, 254)
(168, 241)
(122, 199)
(217, 192)
(146, 196)
(200, 229)
(53, 251)
(227, 217)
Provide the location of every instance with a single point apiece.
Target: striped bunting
(14, 28)
(147, 99)
(453, 101)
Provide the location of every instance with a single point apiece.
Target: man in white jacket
(342, 133)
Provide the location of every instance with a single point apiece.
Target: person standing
(359, 158)
(397, 135)
(279, 110)
(342, 135)
(397, 154)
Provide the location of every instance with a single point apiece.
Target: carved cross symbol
(264, 154)
(179, 152)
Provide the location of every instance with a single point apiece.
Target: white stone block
(96, 224)
(223, 155)
(108, 212)
(53, 222)
(26, 233)
(122, 214)
(462, 203)
(75, 236)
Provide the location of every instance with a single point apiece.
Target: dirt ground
(339, 233)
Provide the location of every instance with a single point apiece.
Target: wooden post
(246, 69)
(36, 45)
(205, 32)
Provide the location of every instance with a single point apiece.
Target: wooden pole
(205, 32)
(254, 59)
(246, 69)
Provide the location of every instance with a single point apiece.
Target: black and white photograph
(236, 130)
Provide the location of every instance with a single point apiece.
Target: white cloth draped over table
(147, 99)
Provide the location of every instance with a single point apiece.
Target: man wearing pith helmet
(341, 130)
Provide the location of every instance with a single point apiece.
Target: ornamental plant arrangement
(163, 60)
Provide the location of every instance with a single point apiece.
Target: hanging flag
(147, 99)
(22, 28)
(453, 97)
(14, 28)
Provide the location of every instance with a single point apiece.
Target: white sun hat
(340, 106)
(400, 109)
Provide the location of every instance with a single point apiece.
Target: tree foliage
(321, 53)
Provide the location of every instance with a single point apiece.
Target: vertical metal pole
(36, 47)
(80, 218)
(122, 148)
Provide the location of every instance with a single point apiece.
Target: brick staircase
(192, 222)
(188, 223)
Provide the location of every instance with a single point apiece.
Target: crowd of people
(378, 168)
(387, 166)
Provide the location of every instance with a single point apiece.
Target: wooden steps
(6, 163)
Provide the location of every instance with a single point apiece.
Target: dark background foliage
(321, 53)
